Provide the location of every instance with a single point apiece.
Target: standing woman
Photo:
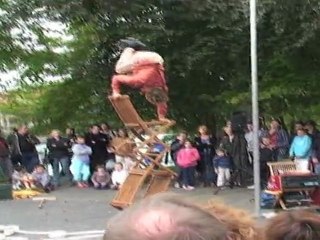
(205, 144)
(279, 140)
(235, 146)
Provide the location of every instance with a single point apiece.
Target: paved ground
(89, 209)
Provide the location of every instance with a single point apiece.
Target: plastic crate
(5, 191)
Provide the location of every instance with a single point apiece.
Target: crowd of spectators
(204, 159)
(80, 160)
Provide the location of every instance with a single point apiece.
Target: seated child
(17, 178)
(222, 166)
(118, 176)
(80, 162)
(41, 178)
(100, 178)
(21, 179)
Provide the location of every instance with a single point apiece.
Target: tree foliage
(206, 48)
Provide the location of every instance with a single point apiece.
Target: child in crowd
(41, 178)
(187, 159)
(21, 179)
(80, 162)
(100, 178)
(222, 167)
(118, 176)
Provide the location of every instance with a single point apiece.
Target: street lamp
(255, 105)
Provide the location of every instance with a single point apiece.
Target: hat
(132, 43)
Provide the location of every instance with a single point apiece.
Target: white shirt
(118, 177)
(129, 57)
(249, 138)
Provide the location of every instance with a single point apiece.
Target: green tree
(205, 44)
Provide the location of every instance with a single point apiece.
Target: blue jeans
(29, 161)
(65, 164)
(188, 176)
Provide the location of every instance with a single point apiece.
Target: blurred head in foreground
(294, 225)
(168, 217)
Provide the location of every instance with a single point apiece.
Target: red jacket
(188, 157)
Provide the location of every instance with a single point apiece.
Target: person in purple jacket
(80, 167)
(42, 178)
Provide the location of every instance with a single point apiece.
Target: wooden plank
(47, 198)
(159, 183)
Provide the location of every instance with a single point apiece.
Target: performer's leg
(133, 80)
(162, 110)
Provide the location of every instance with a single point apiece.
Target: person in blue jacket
(301, 149)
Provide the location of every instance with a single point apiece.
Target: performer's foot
(116, 95)
(165, 120)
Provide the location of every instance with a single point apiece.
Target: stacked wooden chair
(148, 168)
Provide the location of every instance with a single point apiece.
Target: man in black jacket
(98, 143)
(59, 156)
(23, 147)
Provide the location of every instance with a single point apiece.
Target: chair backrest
(125, 110)
(278, 168)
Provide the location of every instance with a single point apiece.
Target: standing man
(249, 139)
(23, 145)
(13, 142)
(59, 155)
(5, 162)
(98, 143)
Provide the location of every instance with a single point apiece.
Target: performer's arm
(125, 62)
(133, 80)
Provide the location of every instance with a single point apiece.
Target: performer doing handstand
(143, 70)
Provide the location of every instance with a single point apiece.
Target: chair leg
(282, 204)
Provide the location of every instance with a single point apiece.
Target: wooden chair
(132, 121)
(147, 133)
(278, 168)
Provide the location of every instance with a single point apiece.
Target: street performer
(143, 70)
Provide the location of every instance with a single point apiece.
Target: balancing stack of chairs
(148, 154)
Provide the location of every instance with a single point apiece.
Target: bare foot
(116, 95)
(166, 120)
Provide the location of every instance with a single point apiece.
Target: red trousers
(144, 78)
